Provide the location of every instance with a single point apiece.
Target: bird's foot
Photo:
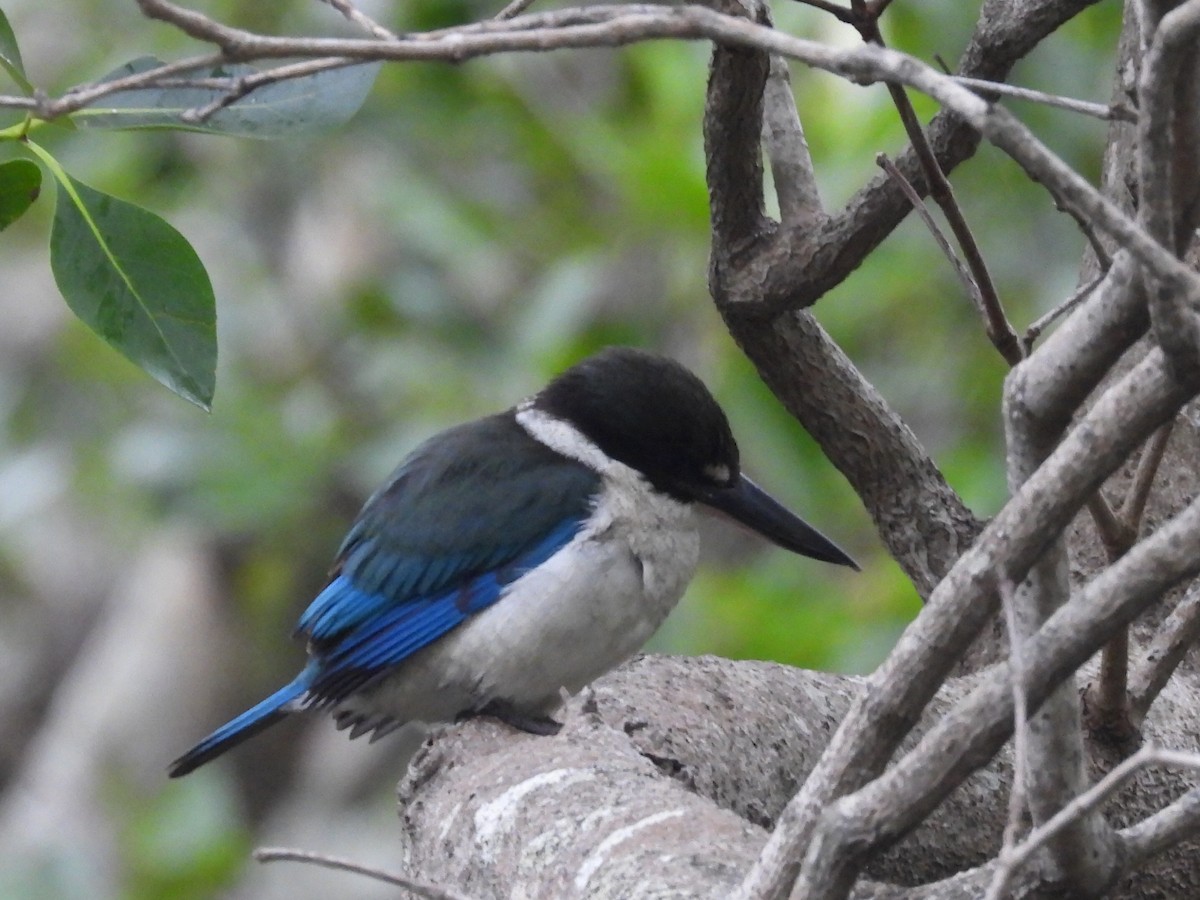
(514, 718)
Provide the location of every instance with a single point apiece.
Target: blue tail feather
(248, 724)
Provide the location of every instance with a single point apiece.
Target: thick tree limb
(709, 733)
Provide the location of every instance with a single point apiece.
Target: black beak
(753, 507)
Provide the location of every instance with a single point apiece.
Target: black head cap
(651, 414)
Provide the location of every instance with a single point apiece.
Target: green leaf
(20, 184)
(136, 282)
(296, 106)
(10, 55)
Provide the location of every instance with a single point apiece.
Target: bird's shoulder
(480, 499)
(485, 481)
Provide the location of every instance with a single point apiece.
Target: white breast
(585, 610)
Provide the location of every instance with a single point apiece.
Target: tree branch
(787, 150)
(733, 122)
(1055, 740)
(964, 600)
(921, 519)
(420, 888)
(1177, 635)
(1103, 111)
(1171, 56)
(361, 19)
(621, 25)
(884, 810)
(1082, 806)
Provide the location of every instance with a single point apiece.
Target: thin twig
(960, 269)
(1134, 506)
(1176, 636)
(515, 8)
(247, 84)
(1113, 713)
(996, 323)
(420, 888)
(1109, 711)
(841, 13)
(84, 95)
(1103, 111)
(1114, 534)
(1087, 229)
(1089, 800)
(1034, 331)
(361, 19)
(998, 328)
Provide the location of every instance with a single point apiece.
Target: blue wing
(463, 517)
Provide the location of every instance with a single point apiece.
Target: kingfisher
(521, 555)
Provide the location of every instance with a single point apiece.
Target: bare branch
(1177, 635)
(1134, 506)
(242, 87)
(733, 123)
(361, 19)
(1085, 804)
(787, 150)
(1103, 111)
(801, 266)
(621, 25)
(514, 9)
(999, 331)
(923, 522)
(1055, 750)
(1177, 823)
(919, 207)
(86, 95)
(1043, 393)
(1110, 710)
(1114, 534)
(886, 808)
(1018, 795)
(420, 888)
(1034, 331)
(841, 13)
(960, 605)
(1173, 307)
(1070, 363)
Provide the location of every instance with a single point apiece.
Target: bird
(524, 554)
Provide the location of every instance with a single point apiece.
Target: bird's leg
(514, 718)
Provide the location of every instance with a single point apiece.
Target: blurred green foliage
(181, 844)
(474, 230)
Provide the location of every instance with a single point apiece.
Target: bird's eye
(718, 473)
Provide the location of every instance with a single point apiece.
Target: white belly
(587, 609)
